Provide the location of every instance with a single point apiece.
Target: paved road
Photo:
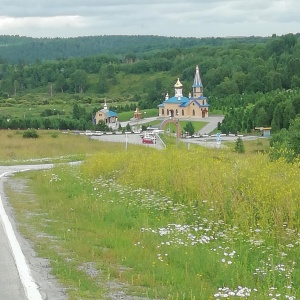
(212, 124)
(208, 141)
(131, 138)
(23, 275)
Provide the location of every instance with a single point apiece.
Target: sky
(177, 18)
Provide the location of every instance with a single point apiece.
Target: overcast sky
(182, 18)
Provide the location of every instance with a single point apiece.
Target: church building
(194, 106)
(105, 115)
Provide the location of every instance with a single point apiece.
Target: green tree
(239, 145)
(288, 114)
(16, 86)
(241, 80)
(295, 82)
(76, 111)
(277, 121)
(79, 80)
(293, 67)
(294, 136)
(128, 128)
(102, 84)
(60, 82)
(189, 128)
(130, 58)
(227, 87)
(47, 123)
(262, 118)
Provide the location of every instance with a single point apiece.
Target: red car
(148, 140)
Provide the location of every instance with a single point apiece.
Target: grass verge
(206, 225)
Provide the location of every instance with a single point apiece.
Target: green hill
(253, 81)
(15, 49)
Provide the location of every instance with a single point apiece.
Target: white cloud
(159, 17)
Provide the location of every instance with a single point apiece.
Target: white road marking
(30, 287)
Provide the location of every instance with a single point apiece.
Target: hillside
(15, 49)
(251, 83)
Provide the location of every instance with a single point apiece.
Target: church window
(193, 112)
(182, 112)
(162, 111)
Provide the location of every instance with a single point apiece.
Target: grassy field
(51, 146)
(211, 224)
(260, 145)
(146, 113)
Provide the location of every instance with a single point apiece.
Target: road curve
(23, 275)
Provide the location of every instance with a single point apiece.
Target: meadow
(52, 146)
(168, 224)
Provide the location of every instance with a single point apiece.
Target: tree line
(226, 70)
(253, 81)
(15, 49)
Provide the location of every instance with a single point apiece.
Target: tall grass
(233, 184)
(51, 146)
(172, 224)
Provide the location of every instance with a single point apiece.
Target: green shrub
(239, 146)
(54, 135)
(30, 133)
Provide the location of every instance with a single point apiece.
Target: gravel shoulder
(40, 271)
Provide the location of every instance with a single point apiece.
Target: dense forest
(252, 81)
(14, 49)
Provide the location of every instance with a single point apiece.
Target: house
(194, 106)
(264, 131)
(105, 115)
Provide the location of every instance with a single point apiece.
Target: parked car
(148, 140)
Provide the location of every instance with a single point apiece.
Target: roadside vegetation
(211, 224)
(51, 146)
(259, 145)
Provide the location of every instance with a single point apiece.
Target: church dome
(178, 84)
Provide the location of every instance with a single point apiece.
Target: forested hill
(252, 84)
(15, 49)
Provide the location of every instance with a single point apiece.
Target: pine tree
(189, 127)
(239, 146)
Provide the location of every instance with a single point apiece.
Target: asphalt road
(23, 275)
(212, 123)
(205, 141)
(127, 139)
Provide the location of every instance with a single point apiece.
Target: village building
(105, 115)
(195, 106)
(264, 131)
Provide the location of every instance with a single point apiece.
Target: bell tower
(197, 86)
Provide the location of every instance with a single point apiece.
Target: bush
(30, 133)
(54, 135)
(239, 146)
